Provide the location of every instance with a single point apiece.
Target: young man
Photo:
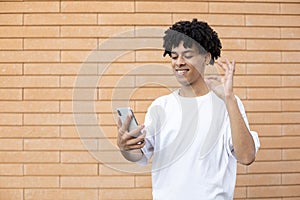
(198, 133)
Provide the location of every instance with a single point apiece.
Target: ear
(207, 58)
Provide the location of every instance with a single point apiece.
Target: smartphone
(123, 112)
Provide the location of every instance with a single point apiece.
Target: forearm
(243, 143)
(133, 155)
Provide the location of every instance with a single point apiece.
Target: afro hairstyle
(195, 32)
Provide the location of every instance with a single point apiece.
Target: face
(188, 64)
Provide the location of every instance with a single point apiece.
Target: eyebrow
(186, 51)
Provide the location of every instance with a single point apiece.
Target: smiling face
(188, 64)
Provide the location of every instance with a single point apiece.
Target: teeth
(181, 72)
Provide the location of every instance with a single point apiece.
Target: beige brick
(60, 69)
(268, 154)
(273, 69)
(93, 106)
(290, 32)
(28, 7)
(262, 106)
(59, 94)
(97, 182)
(29, 81)
(273, 93)
(247, 32)
(240, 192)
(291, 154)
(101, 7)
(103, 81)
(29, 181)
(120, 170)
(11, 94)
(290, 57)
(29, 106)
(291, 129)
(135, 68)
(97, 56)
(77, 157)
(171, 7)
(151, 56)
(258, 179)
(29, 131)
(29, 56)
(97, 31)
(59, 144)
(61, 169)
(291, 8)
(274, 191)
(252, 56)
(267, 129)
(11, 119)
(274, 20)
(162, 81)
(129, 44)
(60, 119)
(60, 19)
(125, 194)
(50, 194)
(83, 132)
(11, 44)
(291, 81)
(280, 142)
(274, 45)
(132, 94)
(134, 19)
(213, 19)
(291, 179)
(29, 31)
(11, 170)
(245, 8)
(28, 157)
(11, 194)
(274, 167)
(143, 181)
(11, 144)
(11, 19)
(257, 81)
(274, 118)
(11, 69)
(290, 105)
(64, 44)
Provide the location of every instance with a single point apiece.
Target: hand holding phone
(123, 112)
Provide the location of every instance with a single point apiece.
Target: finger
(119, 125)
(136, 146)
(126, 123)
(140, 139)
(222, 65)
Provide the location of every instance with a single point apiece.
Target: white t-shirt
(190, 141)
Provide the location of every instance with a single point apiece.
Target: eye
(188, 57)
(174, 57)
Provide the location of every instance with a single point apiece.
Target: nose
(180, 61)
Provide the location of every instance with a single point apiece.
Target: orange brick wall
(43, 45)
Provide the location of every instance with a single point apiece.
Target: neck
(194, 90)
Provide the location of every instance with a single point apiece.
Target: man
(198, 133)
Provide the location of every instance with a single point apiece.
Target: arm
(243, 143)
(130, 146)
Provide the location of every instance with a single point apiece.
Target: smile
(181, 72)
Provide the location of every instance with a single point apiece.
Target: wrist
(230, 99)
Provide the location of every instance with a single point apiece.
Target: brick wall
(48, 73)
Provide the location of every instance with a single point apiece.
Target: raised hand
(222, 85)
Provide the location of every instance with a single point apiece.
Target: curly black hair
(194, 32)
